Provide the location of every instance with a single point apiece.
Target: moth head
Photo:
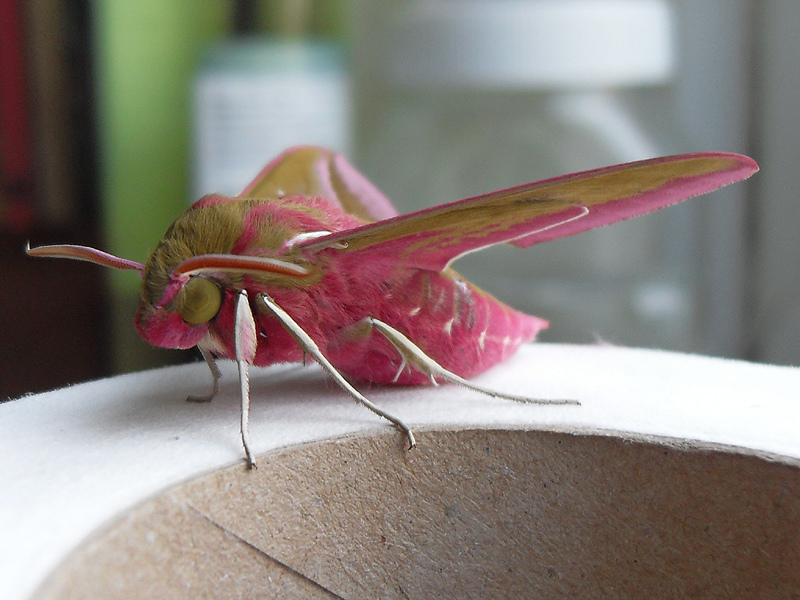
(181, 305)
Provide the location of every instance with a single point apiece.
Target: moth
(312, 260)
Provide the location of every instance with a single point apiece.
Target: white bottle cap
(532, 43)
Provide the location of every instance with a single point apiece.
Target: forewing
(541, 211)
(313, 171)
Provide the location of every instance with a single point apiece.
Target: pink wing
(313, 171)
(537, 212)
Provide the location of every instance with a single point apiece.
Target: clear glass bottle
(460, 97)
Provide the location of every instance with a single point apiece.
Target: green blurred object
(146, 56)
(147, 52)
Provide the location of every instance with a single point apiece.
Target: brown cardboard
(467, 514)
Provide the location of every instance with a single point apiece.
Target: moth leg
(245, 342)
(215, 373)
(413, 355)
(309, 346)
(400, 370)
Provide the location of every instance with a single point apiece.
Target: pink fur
(463, 329)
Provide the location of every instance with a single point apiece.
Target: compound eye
(201, 301)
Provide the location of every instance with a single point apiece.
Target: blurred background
(115, 116)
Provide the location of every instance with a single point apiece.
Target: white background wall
(773, 284)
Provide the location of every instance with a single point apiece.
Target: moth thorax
(199, 301)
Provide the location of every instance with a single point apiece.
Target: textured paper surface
(472, 514)
(77, 459)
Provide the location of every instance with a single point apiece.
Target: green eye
(200, 301)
